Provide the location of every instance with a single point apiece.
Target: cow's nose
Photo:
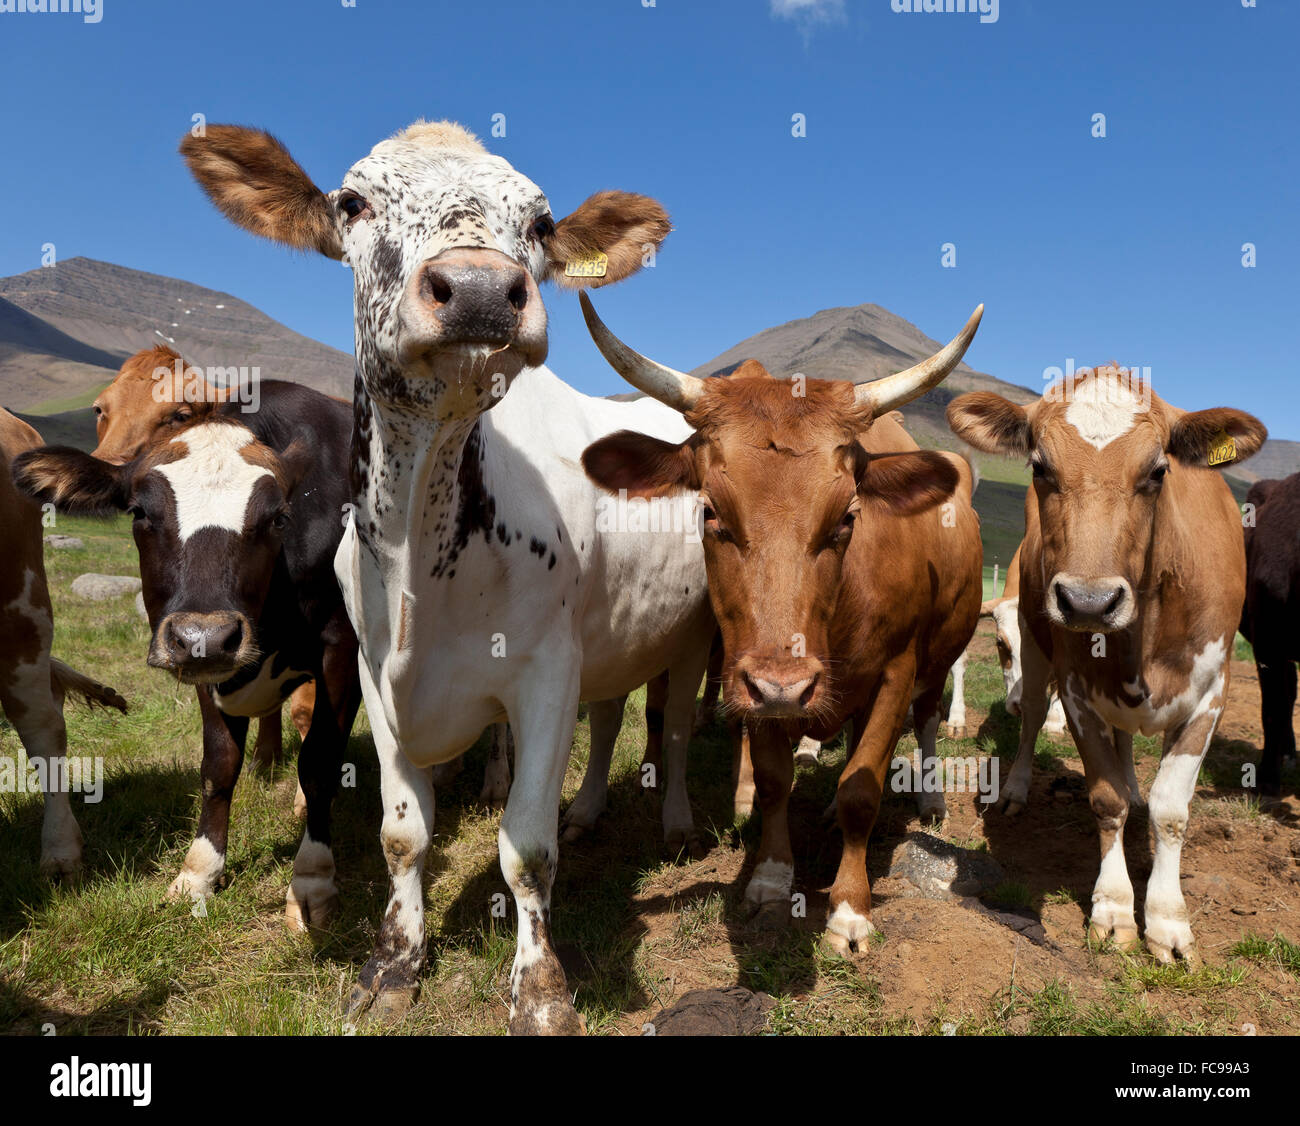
(475, 300)
(780, 689)
(188, 640)
(1092, 603)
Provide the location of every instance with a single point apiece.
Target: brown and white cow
(236, 520)
(156, 392)
(1132, 577)
(844, 568)
(32, 683)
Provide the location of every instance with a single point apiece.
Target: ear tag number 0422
(590, 266)
(1223, 449)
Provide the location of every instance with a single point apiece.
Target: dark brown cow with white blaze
(236, 521)
(844, 567)
(32, 683)
(1131, 585)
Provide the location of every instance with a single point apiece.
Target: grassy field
(633, 927)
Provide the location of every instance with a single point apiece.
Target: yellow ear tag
(1223, 449)
(592, 266)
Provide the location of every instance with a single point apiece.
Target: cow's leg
(543, 718)
(390, 979)
(656, 700)
(1108, 794)
(313, 894)
(1035, 672)
(496, 774)
(33, 706)
(445, 773)
(1168, 928)
(768, 891)
(679, 713)
(1054, 724)
(708, 709)
(269, 748)
(223, 756)
(742, 771)
(606, 720)
(930, 805)
(858, 802)
(1277, 689)
(957, 708)
(1124, 748)
(302, 706)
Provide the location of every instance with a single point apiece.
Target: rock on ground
(65, 542)
(99, 588)
(714, 1012)
(939, 870)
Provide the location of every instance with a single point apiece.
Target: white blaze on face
(212, 483)
(1103, 408)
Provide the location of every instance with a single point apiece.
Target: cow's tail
(65, 681)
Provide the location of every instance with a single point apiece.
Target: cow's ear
(644, 466)
(257, 185)
(990, 423)
(1218, 436)
(907, 483)
(296, 463)
(608, 238)
(73, 481)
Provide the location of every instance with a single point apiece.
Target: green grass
(1277, 951)
(69, 403)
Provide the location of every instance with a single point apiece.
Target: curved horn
(673, 388)
(894, 390)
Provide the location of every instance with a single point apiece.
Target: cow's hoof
(300, 804)
(1011, 804)
(685, 841)
(1170, 938)
(957, 731)
(547, 1018)
(190, 887)
(771, 916)
(383, 1006)
(836, 945)
(932, 809)
(1123, 936)
(310, 904)
(62, 867)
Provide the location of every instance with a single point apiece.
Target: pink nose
(780, 687)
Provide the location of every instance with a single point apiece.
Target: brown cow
(844, 568)
(32, 683)
(1132, 576)
(141, 404)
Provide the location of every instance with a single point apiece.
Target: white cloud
(809, 11)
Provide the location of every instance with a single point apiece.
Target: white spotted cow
(485, 575)
(1132, 576)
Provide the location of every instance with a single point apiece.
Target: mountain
(65, 330)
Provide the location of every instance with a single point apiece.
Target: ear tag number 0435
(590, 266)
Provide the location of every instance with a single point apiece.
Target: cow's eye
(139, 515)
(280, 521)
(99, 411)
(1156, 477)
(354, 207)
(183, 414)
(542, 228)
(712, 525)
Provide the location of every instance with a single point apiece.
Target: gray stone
(67, 543)
(139, 607)
(99, 588)
(715, 1012)
(939, 870)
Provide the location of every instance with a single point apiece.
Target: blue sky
(922, 129)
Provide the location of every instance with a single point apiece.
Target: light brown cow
(139, 405)
(1132, 576)
(844, 567)
(32, 683)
